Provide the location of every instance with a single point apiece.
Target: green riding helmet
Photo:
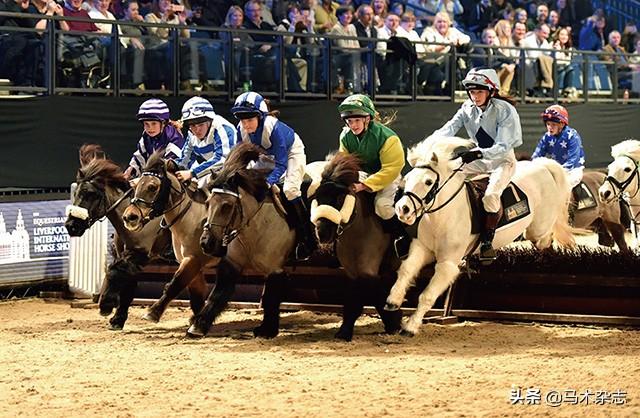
(357, 105)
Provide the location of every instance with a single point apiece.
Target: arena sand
(60, 361)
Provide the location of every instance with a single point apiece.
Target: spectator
(325, 15)
(522, 17)
(592, 34)
(499, 7)
(263, 58)
(568, 71)
(452, 8)
(519, 33)
(133, 64)
(380, 12)
(347, 62)
(553, 21)
(566, 13)
(100, 10)
(539, 63)
(295, 23)
(423, 13)
(391, 73)
(628, 36)
(158, 47)
(209, 13)
(583, 10)
(240, 41)
(479, 17)
(494, 58)
(509, 56)
(365, 29)
(73, 8)
(542, 14)
(443, 36)
(397, 8)
(616, 53)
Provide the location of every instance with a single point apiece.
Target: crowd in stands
(424, 32)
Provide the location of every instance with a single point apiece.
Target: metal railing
(223, 62)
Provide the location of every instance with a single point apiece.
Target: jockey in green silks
(382, 156)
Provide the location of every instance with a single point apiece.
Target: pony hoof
(391, 307)
(151, 317)
(116, 327)
(344, 335)
(264, 332)
(406, 333)
(195, 332)
(105, 312)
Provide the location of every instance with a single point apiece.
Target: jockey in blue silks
(260, 127)
(561, 143)
(159, 133)
(492, 122)
(209, 140)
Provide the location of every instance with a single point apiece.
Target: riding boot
(487, 252)
(401, 240)
(306, 243)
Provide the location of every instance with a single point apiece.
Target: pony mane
(155, 163)
(442, 146)
(342, 169)
(235, 169)
(104, 171)
(630, 147)
(88, 152)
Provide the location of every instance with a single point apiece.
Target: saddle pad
(584, 197)
(515, 204)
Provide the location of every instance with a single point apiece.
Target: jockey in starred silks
(209, 140)
(382, 157)
(159, 133)
(561, 143)
(261, 127)
(492, 122)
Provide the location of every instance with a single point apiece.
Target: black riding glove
(470, 156)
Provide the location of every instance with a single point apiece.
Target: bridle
(160, 201)
(102, 203)
(621, 186)
(422, 205)
(341, 225)
(228, 232)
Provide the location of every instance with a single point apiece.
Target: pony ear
(412, 157)
(434, 158)
(171, 166)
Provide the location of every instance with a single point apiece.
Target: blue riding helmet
(249, 105)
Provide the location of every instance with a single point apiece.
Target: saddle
(284, 206)
(514, 203)
(583, 197)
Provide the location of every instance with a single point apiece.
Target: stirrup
(487, 253)
(401, 246)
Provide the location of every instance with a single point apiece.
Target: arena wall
(39, 136)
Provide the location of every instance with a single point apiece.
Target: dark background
(39, 137)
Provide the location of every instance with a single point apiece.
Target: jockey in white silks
(492, 122)
(208, 143)
(260, 127)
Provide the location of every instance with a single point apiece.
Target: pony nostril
(607, 193)
(131, 217)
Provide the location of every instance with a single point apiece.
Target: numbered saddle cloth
(515, 204)
(583, 197)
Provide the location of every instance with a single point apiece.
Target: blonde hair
(500, 28)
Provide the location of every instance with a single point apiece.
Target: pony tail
(272, 112)
(509, 99)
(387, 119)
(178, 124)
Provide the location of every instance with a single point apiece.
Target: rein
(227, 235)
(161, 199)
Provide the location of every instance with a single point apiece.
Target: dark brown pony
(102, 191)
(363, 247)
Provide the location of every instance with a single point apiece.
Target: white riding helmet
(196, 110)
(482, 79)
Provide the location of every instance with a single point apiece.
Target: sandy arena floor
(60, 361)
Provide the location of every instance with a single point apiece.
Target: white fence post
(88, 259)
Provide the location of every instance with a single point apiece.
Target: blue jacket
(170, 139)
(565, 148)
(276, 138)
(213, 149)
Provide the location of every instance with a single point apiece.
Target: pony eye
(627, 170)
(428, 182)
(153, 188)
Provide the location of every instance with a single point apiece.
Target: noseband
(422, 205)
(343, 217)
(102, 203)
(229, 234)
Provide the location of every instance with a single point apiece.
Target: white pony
(435, 189)
(623, 180)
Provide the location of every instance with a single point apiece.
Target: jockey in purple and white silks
(493, 123)
(159, 133)
(209, 140)
(561, 143)
(261, 127)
